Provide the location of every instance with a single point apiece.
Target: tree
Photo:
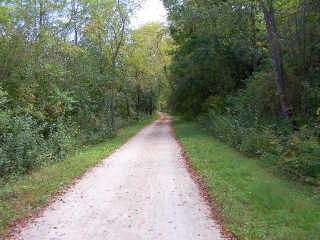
(223, 47)
(65, 77)
(147, 58)
(275, 49)
(118, 39)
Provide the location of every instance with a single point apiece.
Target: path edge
(203, 188)
(16, 226)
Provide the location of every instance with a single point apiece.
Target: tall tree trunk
(114, 60)
(305, 67)
(41, 20)
(276, 58)
(128, 107)
(318, 52)
(74, 16)
(253, 32)
(297, 39)
(138, 101)
(41, 15)
(126, 94)
(319, 56)
(112, 93)
(76, 35)
(151, 102)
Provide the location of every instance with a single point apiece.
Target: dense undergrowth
(244, 121)
(24, 196)
(72, 73)
(296, 153)
(253, 202)
(27, 143)
(250, 71)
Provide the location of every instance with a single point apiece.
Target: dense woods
(250, 71)
(77, 80)
(72, 73)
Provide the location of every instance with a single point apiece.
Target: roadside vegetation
(250, 72)
(73, 73)
(26, 196)
(246, 74)
(253, 202)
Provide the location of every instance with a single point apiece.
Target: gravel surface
(141, 191)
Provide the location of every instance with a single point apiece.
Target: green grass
(254, 203)
(24, 197)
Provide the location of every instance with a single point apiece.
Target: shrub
(21, 144)
(63, 138)
(24, 147)
(295, 152)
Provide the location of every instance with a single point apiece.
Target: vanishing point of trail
(142, 191)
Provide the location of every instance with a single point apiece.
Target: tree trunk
(41, 20)
(114, 60)
(151, 102)
(276, 59)
(253, 37)
(128, 107)
(318, 52)
(76, 35)
(75, 26)
(319, 56)
(138, 104)
(305, 67)
(41, 15)
(112, 93)
(126, 94)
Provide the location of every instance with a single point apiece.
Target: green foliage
(4, 15)
(22, 145)
(224, 72)
(3, 99)
(66, 70)
(62, 138)
(248, 124)
(253, 202)
(19, 198)
(296, 153)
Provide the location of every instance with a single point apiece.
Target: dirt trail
(142, 191)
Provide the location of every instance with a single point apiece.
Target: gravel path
(142, 191)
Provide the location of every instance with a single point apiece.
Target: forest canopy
(73, 72)
(250, 70)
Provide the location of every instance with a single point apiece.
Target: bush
(295, 152)
(24, 146)
(27, 143)
(63, 137)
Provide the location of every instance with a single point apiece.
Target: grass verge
(25, 197)
(253, 203)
